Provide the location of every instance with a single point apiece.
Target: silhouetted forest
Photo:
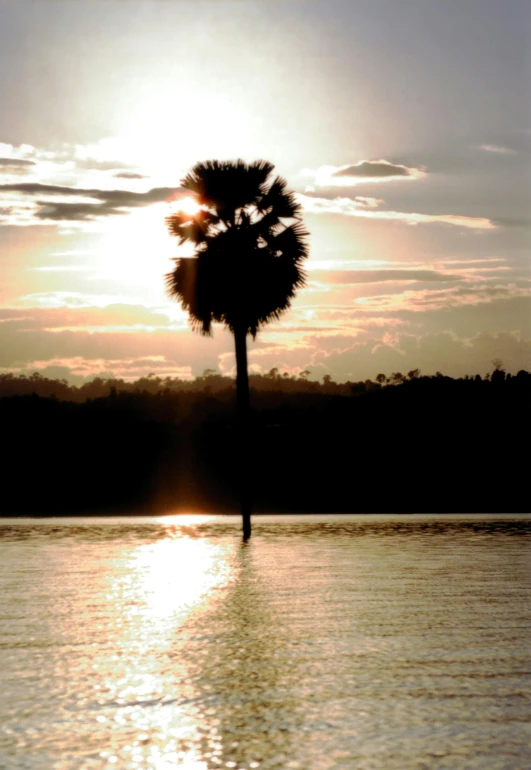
(403, 443)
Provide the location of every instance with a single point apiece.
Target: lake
(355, 642)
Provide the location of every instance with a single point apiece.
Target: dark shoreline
(429, 444)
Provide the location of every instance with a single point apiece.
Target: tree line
(212, 382)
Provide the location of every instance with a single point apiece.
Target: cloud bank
(90, 204)
(355, 207)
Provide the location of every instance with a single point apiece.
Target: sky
(402, 125)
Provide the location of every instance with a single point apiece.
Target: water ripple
(364, 643)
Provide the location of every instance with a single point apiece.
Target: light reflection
(147, 695)
(172, 520)
(175, 575)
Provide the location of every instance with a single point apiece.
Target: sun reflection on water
(147, 695)
(176, 575)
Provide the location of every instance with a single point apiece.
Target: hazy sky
(404, 125)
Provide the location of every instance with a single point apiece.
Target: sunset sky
(404, 126)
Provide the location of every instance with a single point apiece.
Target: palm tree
(249, 246)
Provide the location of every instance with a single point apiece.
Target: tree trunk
(243, 431)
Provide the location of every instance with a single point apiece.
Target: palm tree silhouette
(250, 244)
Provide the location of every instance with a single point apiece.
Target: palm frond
(187, 231)
(175, 221)
(280, 200)
(291, 243)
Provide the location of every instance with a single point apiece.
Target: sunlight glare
(177, 573)
(163, 138)
(136, 250)
(154, 590)
(188, 206)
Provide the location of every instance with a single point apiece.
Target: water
(327, 642)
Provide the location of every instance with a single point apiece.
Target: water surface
(363, 642)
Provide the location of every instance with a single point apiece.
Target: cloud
(497, 149)
(369, 169)
(16, 163)
(350, 358)
(10, 166)
(352, 207)
(90, 204)
(91, 334)
(363, 172)
(444, 351)
(75, 299)
(524, 222)
(382, 276)
(78, 370)
(105, 155)
(130, 175)
(11, 151)
(474, 261)
(78, 212)
(421, 300)
(92, 164)
(64, 269)
(368, 203)
(117, 197)
(128, 317)
(97, 339)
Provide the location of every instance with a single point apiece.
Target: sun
(188, 205)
